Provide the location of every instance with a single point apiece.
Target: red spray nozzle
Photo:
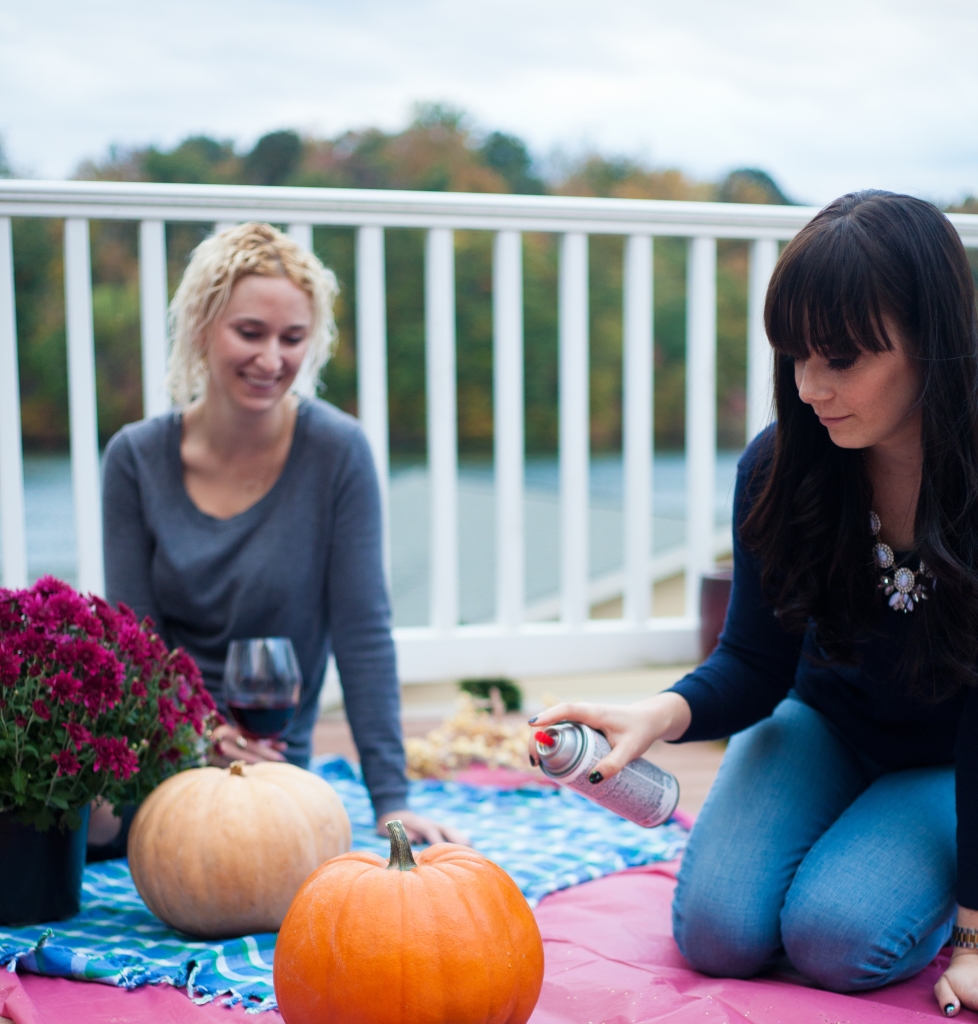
(545, 738)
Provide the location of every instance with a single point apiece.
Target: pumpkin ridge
(346, 903)
(160, 904)
(484, 962)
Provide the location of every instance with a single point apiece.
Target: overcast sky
(827, 96)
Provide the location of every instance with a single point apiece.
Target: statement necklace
(901, 585)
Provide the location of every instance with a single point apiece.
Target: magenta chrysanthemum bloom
(67, 763)
(78, 733)
(10, 663)
(168, 714)
(64, 686)
(113, 754)
(64, 655)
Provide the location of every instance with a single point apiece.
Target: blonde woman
(252, 509)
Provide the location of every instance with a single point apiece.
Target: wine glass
(262, 680)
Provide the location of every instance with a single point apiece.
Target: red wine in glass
(262, 721)
(262, 682)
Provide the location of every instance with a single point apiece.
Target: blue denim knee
(843, 954)
(717, 928)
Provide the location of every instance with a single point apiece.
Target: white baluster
(442, 425)
(82, 407)
(574, 427)
(701, 403)
(507, 317)
(13, 533)
(301, 234)
(372, 363)
(637, 372)
(152, 307)
(760, 355)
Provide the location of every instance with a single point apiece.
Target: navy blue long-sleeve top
(305, 561)
(757, 662)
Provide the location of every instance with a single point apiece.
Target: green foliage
(438, 151)
(509, 692)
(751, 185)
(508, 156)
(6, 171)
(274, 159)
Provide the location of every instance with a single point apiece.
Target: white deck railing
(445, 649)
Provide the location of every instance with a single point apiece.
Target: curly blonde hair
(215, 267)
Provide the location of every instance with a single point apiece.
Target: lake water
(51, 536)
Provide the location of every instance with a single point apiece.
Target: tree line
(437, 151)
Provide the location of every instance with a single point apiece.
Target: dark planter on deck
(714, 597)
(40, 872)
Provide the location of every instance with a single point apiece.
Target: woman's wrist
(674, 714)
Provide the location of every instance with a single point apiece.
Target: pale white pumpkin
(217, 852)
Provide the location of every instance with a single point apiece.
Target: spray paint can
(640, 792)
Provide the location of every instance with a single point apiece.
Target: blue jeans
(804, 848)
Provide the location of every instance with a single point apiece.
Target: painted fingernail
(949, 1009)
(532, 720)
(533, 761)
(595, 777)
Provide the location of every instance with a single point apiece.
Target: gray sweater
(303, 562)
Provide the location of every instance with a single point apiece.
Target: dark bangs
(832, 287)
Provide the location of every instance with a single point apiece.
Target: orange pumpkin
(446, 939)
(222, 851)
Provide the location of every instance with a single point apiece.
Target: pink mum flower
(114, 755)
(42, 710)
(10, 662)
(67, 763)
(78, 733)
(64, 686)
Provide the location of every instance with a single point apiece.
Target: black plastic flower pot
(41, 872)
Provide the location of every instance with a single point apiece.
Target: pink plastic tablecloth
(610, 959)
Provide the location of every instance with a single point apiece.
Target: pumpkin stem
(237, 767)
(402, 859)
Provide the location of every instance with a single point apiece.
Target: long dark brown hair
(869, 256)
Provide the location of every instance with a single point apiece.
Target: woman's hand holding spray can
(640, 792)
(570, 752)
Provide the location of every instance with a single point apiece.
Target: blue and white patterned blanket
(546, 838)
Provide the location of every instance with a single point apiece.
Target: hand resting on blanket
(957, 987)
(630, 728)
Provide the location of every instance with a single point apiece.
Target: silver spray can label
(640, 792)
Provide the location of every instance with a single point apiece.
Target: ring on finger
(240, 741)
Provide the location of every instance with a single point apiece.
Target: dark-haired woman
(842, 830)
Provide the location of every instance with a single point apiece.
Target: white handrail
(392, 208)
(511, 644)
